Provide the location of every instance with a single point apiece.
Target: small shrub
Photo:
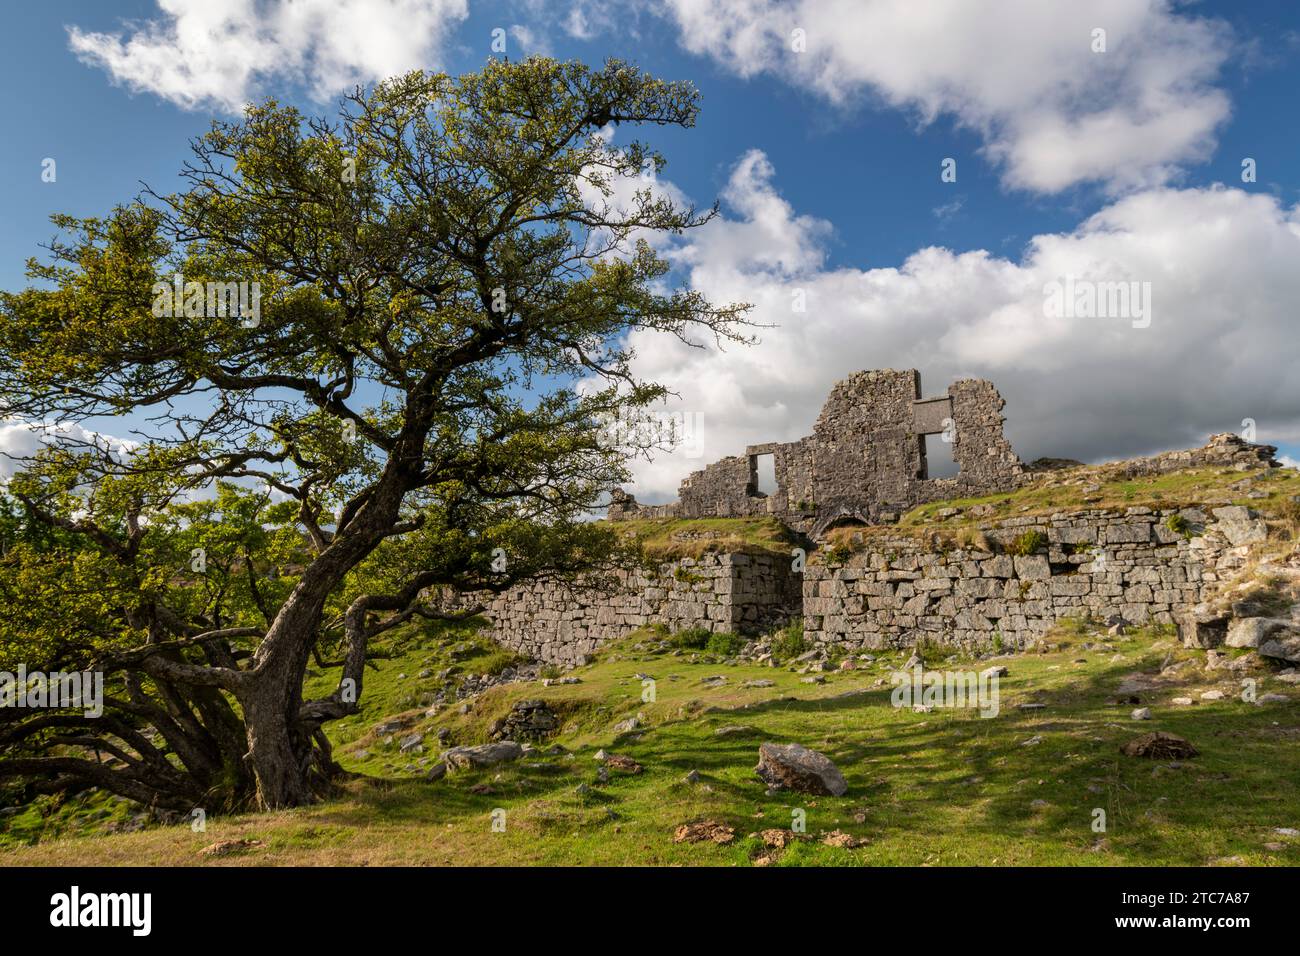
(789, 642)
(691, 638)
(724, 644)
(1027, 543)
(973, 539)
(838, 554)
(1289, 510)
(1179, 525)
(497, 661)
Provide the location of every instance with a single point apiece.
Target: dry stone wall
(1139, 565)
(565, 623)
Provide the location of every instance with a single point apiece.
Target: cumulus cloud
(1021, 73)
(20, 440)
(1220, 346)
(199, 53)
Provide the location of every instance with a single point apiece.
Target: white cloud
(1221, 345)
(201, 53)
(533, 42)
(1022, 73)
(20, 440)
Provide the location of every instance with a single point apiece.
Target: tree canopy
(368, 361)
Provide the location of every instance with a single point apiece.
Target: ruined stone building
(864, 462)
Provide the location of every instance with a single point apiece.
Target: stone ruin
(865, 461)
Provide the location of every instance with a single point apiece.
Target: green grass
(669, 538)
(1095, 487)
(1190, 487)
(938, 788)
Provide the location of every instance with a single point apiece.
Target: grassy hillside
(1275, 493)
(939, 788)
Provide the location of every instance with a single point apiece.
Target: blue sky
(847, 193)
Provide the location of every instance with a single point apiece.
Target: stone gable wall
(864, 461)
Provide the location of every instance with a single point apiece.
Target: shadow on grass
(947, 777)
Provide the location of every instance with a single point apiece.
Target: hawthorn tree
(408, 408)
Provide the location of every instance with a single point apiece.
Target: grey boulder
(483, 755)
(795, 767)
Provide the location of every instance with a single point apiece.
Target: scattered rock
(1183, 701)
(624, 764)
(734, 730)
(393, 725)
(527, 720)
(1286, 648)
(1253, 631)
(483, 755)
(795, 767)
(1240, 525)
(692, 777)
(710, 830)
(1203, 627)
(1213, 695)
(1159, 745)
(230, 847)
(1274, 699)
(778, 839)
(844, 841)
(1142, 713)
(436, 772)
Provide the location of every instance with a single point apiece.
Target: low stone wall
(1140, 564)
(564, 623)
